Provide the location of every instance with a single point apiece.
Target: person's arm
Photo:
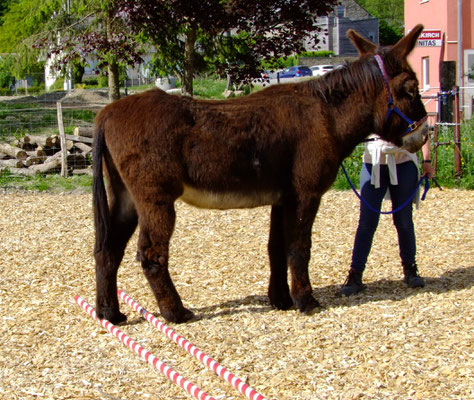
(426, 161)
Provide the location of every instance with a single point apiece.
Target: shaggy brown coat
(281, 146)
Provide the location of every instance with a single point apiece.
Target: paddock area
(390, 342)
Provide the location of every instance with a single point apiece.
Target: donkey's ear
(407, 43)
(363, 45)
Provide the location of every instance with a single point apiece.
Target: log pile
(33, 155)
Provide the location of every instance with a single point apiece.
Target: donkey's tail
(99, 194)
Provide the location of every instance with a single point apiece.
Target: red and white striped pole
(143, 353)
(236, 382)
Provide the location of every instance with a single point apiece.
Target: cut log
(43, 141)
(35, 160)
(84, 148)
(12, 162)
(51, 164)
(36, 153)
(87, 131)
(19, 171)
(84, 171)
(69, 145)
(76, 161)
(55, 141)
(13, 151)
(82, 139)
(25, 144)
(48, 150)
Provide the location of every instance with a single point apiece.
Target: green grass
(210, 89)
(46, 183)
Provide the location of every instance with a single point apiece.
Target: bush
(320, 53)
(57, 85)
(90, 81)
(6, 77)
(102, 81)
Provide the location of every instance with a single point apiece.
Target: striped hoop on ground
(190, 387)
(236, 382)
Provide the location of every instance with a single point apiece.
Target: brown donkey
(281, 146)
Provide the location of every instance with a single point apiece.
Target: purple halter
(392, 107)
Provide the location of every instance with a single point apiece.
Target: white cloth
(379, 152)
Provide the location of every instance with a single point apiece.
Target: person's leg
(368, 221)
(403, 220)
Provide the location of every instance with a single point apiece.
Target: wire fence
(45, 137)
(30, 139)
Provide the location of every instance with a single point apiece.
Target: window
(426, 72)
(469, 66)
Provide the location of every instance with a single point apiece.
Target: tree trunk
(188, 70)
(112, 69)
(114, 82)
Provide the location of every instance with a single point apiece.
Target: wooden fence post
(457, 135)
(62, 140)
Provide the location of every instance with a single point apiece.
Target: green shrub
(57, 85)
(102, 81)
(91, 81)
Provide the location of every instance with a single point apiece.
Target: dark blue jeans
(403, 220)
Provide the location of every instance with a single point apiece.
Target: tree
(233, 35)
(68, 32)
(391, 16)
(6, 77)
(19, 23)
(3, 8)
(91, 28)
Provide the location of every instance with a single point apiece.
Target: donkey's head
(400, 113)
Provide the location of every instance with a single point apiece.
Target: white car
(319, 70)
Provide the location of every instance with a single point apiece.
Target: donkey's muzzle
(414, 140)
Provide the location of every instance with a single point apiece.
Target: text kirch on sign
(430, 38)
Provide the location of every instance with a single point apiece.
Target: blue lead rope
(424, 178)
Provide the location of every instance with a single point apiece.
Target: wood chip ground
(390, 342)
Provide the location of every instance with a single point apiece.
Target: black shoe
(353, 284)
(412, 279)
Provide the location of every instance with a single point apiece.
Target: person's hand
(427, 169)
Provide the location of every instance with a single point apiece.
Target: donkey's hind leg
(278, 289)
(156, 219)
(123, 222)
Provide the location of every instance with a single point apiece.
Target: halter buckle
(412, 127)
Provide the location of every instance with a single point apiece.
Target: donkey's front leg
(153, 250)
(299, 225)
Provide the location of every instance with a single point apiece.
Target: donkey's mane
(362, 76)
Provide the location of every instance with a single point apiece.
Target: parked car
(268, 74)
(319, 70)
(296, 72)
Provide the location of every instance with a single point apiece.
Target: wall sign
(431, 38)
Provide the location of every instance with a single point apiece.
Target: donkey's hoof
(307, 304)
(178, 317)
(282, 303)
(113, 316)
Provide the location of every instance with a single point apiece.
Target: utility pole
(460, 57)
(68, 78)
